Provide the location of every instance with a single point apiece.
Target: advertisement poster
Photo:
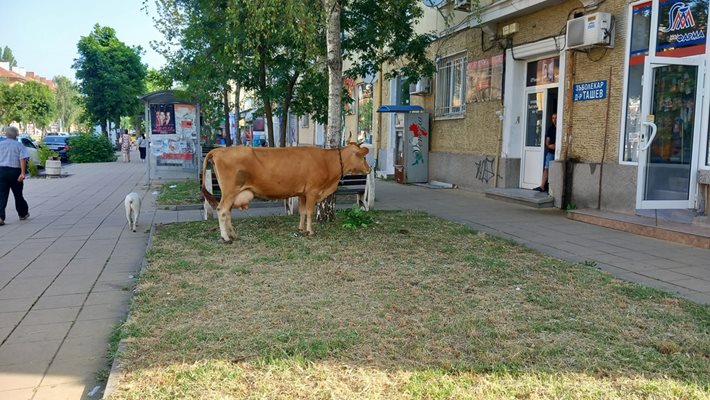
(484, 79)
(174, 132)
(162, 119)
(682, 25)
(543, 72)
(185, 116)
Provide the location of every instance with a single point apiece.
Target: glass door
(535, 117)
(668, 147)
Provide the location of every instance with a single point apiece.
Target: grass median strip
(179, 193)
(410, 307)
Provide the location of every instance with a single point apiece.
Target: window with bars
(451, 86)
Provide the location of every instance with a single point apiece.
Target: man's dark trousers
(8, 182)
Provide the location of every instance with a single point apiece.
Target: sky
(43, 34)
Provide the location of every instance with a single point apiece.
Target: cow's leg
(310, 205)
(224, 214)
(302, 213)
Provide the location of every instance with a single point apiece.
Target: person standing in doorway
(142, 144)
(13, 165)
(550, 138)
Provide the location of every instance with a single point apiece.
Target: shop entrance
(540, 104)
(669, 142)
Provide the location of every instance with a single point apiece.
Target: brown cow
(311, 173)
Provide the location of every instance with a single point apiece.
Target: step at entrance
(525, 197)
(696, 235)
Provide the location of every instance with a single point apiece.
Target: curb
(112, 381)
(180, 207)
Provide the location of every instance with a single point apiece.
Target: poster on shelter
(185, 117)
(162, 119)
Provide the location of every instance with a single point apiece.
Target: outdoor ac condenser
(595, 29)
(421, 87)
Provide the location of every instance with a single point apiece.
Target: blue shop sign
(589, 91)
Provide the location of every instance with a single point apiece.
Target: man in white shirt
(13, 165)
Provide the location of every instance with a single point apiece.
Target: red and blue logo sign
(680, 17)
(682, 25)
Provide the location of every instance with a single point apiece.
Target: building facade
(631, 105)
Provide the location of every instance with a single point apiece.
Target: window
(451, 86)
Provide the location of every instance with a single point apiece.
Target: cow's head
(354, 159)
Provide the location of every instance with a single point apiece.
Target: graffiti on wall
(418, 133)
(485, 170)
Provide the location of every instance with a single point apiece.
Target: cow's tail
(208, 196)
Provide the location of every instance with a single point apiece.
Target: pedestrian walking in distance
(142, 144)
(13, 165)
(126, 146)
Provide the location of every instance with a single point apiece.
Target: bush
(356, 218)
(44, 153)
(90, 148)
(32, 168)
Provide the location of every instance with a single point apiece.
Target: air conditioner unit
(462, 5)
(590, 30)
(421, 87)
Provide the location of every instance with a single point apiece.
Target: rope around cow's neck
(340, 157)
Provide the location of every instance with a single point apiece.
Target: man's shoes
(2, 222)
(539, 189)
(25, 217)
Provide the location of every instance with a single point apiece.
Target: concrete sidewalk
(66, 273)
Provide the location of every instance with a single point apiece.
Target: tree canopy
(6, 55)
(277, 48)
(31, 102)
(111, 75)
(69, 106)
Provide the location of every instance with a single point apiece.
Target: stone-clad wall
(589, 118)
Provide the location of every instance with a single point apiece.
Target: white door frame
(648, 133)
(533, 156)
(515, 89)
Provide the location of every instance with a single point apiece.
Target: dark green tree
(6, 55)
(31, 102)
(111, 76)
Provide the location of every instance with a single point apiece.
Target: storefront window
(681, 28)
(638, 50)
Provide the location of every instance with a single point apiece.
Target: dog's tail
(208, 196)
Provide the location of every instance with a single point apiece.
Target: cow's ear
(364, 150)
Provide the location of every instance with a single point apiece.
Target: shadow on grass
(435, 307)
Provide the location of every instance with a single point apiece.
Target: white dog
(133, 209)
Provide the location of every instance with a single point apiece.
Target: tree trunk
(226, 134)
(268, 110)
(335, 72)
(283, 129)
(325, 211)
(106, 128)
(237, 111)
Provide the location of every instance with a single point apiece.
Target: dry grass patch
(410, 307)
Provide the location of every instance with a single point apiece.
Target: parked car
(31, 148)
(59, 144)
